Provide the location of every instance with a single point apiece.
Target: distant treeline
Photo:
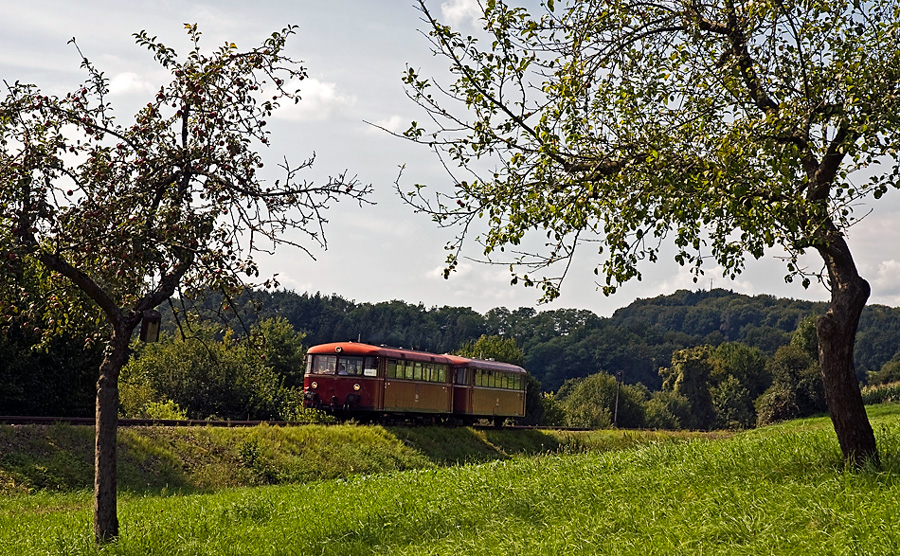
(558, 345)
(566, 343)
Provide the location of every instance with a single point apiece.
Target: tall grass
(780, 490)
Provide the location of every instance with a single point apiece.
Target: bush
(226, 378)
(591, 402)
(881, 393)
(733, 405)
(889, 373)
(668, 410)
(797, 389)
(165, 410)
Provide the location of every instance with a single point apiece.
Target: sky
(355, 52)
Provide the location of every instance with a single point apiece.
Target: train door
(462, 391)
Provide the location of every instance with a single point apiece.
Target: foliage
(282, 349)
(668, 410)
(731, 128)
(889, 372)
(227, 377)
(558, 344)
(54, 377)
(881, 393)
(733, 405)
(165, 410)
(796, 389)
(600, 400)
(493, 347)
(117, 217)
(689, 376)
(137, 210)
(634, 123)
(567, 343)
(554, 412)
(536, 410)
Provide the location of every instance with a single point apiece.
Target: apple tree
(727, 127)
(117, 216)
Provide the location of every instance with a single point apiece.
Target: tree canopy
(729, 127)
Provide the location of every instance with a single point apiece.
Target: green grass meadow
(776, 490)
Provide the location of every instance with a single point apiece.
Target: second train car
(351, 379)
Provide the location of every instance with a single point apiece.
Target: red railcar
(359, 380)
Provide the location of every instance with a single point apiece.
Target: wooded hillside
(567, 343)
(558, 344)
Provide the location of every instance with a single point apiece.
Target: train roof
(485, 364)
(360, 349)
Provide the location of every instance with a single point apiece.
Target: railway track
(89, 421)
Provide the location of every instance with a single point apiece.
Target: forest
(738, 343)
(561, 344)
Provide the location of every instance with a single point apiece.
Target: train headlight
(314, 384)
(356, 387)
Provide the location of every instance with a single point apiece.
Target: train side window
(504, 380)
(370, 368)
(418, 371)
(408, 365)
(460, 377)
(479, 377)
(324, 364)
(391, 370)
(442, 373)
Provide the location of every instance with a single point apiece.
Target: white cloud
(457, 12)
(486, 283)
(128, 83)
(885, 283)
(394, 124)
(319, 100)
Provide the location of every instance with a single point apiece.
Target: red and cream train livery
(365, 381)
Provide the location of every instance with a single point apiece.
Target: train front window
(351, 366)
(323, 364)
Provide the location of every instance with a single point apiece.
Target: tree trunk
(836, 331)
(106, 521)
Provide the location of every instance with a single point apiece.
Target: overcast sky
(355, 52)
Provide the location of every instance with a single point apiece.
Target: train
(369, 383)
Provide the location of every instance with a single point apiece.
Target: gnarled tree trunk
(836, 331)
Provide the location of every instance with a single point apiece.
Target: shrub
(881, 393)
(889, 373)
(591, 402)
(668, 410)
(797, 389)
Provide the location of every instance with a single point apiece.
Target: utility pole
(616, 411)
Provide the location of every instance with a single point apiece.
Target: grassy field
(777, 490)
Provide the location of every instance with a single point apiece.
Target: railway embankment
(155, 459)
